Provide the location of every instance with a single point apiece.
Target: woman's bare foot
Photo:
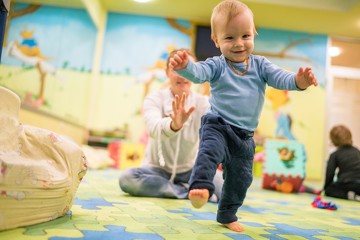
(235, 226)
(198, 197)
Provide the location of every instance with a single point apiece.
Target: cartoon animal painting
(16, 13)
(287, 156)
(29, 52)
(29, 46)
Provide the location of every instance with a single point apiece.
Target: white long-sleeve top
(178, 149)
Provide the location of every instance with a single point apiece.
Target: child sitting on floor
(346, 161)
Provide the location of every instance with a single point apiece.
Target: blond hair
(340, 136)
(229, 9)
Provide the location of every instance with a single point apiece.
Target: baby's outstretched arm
(179, 60)
(305, 78)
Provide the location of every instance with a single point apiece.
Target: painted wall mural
(49, 64)
(46, 62)
(298, 115)
(133, 64)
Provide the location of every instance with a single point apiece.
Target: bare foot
(198, 197)
(235, 226)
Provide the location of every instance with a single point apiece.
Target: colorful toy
(126, 154)
(318, 203)
(284, 165)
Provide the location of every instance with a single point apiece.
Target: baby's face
(235, 38)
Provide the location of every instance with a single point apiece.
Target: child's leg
(336, 190)
(198, 197)
(238, 177)
(210, 155)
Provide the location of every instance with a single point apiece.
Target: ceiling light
(334, 51)
(142, 1)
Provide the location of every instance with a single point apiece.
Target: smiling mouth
(243, 51)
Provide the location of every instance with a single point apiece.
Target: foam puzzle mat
(102, 211)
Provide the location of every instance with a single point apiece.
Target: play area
(87, 95)
(102, 211)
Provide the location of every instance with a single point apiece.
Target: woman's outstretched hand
(179, 115)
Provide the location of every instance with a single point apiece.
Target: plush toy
(319, 203)
(282, 186)
(284, 165)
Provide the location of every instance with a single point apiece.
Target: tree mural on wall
(157, 70)
(29, 52)
(18, 13)
(283, 53)
(186, 30)
(277, 97)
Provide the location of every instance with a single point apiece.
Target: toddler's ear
(215, 40)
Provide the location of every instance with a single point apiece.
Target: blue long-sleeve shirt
(239, 99)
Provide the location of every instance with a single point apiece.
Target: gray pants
(155, 182)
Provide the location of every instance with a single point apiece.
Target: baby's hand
(179, 60)
(305, 78)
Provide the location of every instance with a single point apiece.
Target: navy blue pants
(234, 148)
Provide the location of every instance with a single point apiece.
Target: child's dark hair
(340, 136)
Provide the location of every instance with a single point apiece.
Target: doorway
(343, 89)
(344, 102)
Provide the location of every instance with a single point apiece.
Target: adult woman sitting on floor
(172, 117)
